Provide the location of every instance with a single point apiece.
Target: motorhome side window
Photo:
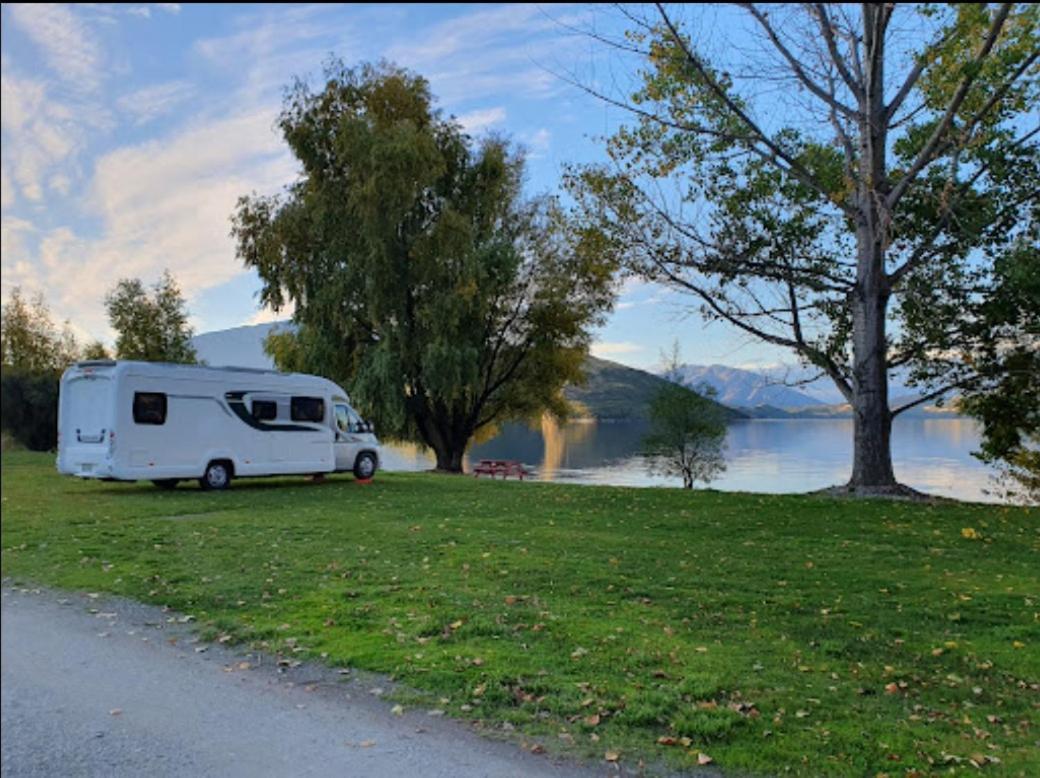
(308, 409)
(149, 408)
(264, 410)
(348, 420)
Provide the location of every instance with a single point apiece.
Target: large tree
(419, 275)
(153, 328)
(832, 179)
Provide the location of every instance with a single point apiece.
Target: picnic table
(505, 467)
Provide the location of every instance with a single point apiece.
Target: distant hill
(612, 391)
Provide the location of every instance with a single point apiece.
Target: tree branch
(930, 396)
(926, 154)
(832, 102)
(921, 252)
(795, 168)
(832, 46)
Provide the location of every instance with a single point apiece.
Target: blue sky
(129, 131)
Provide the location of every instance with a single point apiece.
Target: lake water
(762, 455)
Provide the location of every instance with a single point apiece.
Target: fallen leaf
(704, 759)
(537, 748)
(397, 710)
(592, 721)
(367, 743)
(666, 740)
(116, 712)
(612, 756)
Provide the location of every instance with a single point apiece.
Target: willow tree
(832, 179)
(420, 276)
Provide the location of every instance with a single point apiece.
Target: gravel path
(103, 686)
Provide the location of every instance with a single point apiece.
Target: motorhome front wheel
(365, 466)
(217, 476)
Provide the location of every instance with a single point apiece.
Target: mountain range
(783, 392)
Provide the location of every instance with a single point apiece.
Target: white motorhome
(130, 421)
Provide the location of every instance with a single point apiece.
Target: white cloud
(538, 143)
(7, 195)
(605, 349)
(142, 11)
(170, 8)
(164, 204)
(487, 53)
(60, 183)
(15, 236)
(275, 46)
(67, 44)
(39, 133)
(144, 105)
(476, 121)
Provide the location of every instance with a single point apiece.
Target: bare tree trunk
(872, 453)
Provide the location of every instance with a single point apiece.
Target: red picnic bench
(493, 467)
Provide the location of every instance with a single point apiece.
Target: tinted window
(149, 408)
(264, 410)
(308, 409)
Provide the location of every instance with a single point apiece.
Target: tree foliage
(687, 431)
(29, 407)
(35, 352)
(29, 340)
(1007, 358)
(96, 350)
(150, 328)
(421, 278)
(854, 212)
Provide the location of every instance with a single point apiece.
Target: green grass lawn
(772, 633)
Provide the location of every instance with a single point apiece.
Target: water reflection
(762, 455)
